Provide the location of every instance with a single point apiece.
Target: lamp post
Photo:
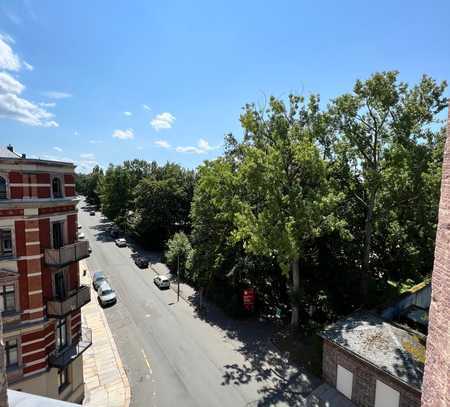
(178, 277)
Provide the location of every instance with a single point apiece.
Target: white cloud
(87, 156)
(48, 104)
(24, 111)
(162, 143)
(189, 149)
(95, 141)
(10, 85)
(127, 113)
(58, 149)
(146, 107)
(75, 133)
(202, 147)
(123, 134)
(162, 121)
(8, 59)
(11, 105)
(28, 66)
(52, 94)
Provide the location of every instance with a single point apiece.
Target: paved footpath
(105, 378)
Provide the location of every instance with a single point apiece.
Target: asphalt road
(173, 357)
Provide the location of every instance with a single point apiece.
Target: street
(175, 358)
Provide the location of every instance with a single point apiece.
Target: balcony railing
(67, 254)
(61, 307)
(70, 353)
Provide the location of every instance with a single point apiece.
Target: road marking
(147, 362)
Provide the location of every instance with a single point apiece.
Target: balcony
(61, 307)
(67, 254)
(79, 344)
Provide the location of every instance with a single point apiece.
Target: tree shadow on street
(278, 380)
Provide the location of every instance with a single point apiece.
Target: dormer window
(57, 188)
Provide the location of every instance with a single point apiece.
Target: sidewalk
(105, 378)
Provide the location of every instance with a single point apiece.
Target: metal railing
(79, 344)
(60, 307)
(67, 254)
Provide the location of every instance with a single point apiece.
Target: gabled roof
(5, 153)
(388, 347)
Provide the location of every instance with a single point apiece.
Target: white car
(106, 295)
(162, 281)
(81, 236)
(121, 242)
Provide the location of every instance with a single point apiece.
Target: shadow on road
(281, 382)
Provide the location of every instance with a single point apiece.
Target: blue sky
(69, 70)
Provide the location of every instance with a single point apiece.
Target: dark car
(141, 262)
(98, 278)
(92, 213)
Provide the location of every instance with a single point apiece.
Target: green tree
(288, 201)
(380, 115)
(115, 193)
(179, 254)
(162, 204)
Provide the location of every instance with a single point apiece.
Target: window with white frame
(5, 242)
(8, 297)
(61, 334)
(11, 353)
(57, 188)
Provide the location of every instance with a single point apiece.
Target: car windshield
(107, 291)
(98, 276)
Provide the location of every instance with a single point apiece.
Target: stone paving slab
(106, 383)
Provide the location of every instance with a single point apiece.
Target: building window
(5, 242)
(61, 334)
(3, 192)
(11, 353)
(8, 297)
(56, 188)
(63, 379)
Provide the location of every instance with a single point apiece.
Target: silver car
(97, 279)
(121, 242)
(106, 295)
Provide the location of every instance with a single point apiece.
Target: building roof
(6, 153)
(388, 347)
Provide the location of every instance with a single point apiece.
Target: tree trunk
(368, 229)
(295, 288)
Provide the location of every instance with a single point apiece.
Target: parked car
(92, 213)
(98, 278)
(141, 262)
(162, 281)
(106, 295)
(81, 236)
(79, 226)
(114, 232)
(121, 242)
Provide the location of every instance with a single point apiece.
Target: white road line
(147, 362)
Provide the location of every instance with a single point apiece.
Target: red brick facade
(364, 377)
(33, 213)
(436, 383)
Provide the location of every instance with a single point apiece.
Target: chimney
(10, 148)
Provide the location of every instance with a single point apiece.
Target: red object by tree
(249, 299)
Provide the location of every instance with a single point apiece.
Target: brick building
(373, 362)
(436, 384)
(40, 290)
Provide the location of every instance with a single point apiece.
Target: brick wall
(436, 383)
(365, 377)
